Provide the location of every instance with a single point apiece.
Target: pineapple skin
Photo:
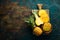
(37, 31)
(47, 27)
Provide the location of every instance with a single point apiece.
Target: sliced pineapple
(45, 19)
(37, 31)
(43, 13)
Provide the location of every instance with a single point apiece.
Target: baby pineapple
(37, 31)
(47, 27)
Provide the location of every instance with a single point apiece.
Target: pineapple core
(38, 21)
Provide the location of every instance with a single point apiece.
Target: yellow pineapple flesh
(44, 15)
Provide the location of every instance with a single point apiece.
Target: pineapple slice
(37, 31)
(45, 19)
(44, 15)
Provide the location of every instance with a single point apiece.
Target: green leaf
(30, 20)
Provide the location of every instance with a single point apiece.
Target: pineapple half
(47, 27)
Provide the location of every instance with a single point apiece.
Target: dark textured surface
(25, 34)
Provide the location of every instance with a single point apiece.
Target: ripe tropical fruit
(38, 21)
(47, 27)
(43, 15)
(45, 19)
(37, 31)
